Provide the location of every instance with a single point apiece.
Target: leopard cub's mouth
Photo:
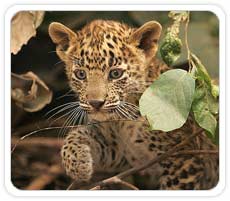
(118, 110)
(94, 107)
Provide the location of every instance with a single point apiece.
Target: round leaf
(167, 102)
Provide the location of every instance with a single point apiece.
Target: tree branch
(43, 141)
(196, 152)
(114, 182)
(46, 178)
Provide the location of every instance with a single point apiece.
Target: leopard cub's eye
(80, 74)
(116, 73)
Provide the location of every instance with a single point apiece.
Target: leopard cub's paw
(77, 161)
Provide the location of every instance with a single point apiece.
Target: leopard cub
(109, 65)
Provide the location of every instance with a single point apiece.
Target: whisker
(68, 95)
(131, 110)
(81, 116)
(76, 120)
(72, 120)
(114, 114)
(117, 112)
(60, 117)
(78, 116)
(74, 102)
(63, 109)
(68, 118)
(84, 120)
(52, 52)
(65, 94)
(58, 62)
(130, 104)
(134, 108)
(130, 115)
(66, 123)
(123, 112)
(70, 56)
(81, 121)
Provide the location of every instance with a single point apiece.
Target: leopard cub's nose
(96, 103)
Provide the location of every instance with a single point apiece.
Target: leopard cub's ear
(146, 38)
(61, 35)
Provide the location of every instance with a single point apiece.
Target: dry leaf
(29, 92)
(23, 27)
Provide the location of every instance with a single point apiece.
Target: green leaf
(215, 90)
(170, 49)
(167, 102)
(202, 75)
(205, 105)
(204, 108)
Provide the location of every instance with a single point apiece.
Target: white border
(213, 8)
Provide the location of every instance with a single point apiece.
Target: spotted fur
(109, 65)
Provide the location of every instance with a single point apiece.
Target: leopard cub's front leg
(86, 150)
(76, 156)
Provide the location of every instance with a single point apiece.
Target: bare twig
(43, 141)
(30, 134)
(196, 152)
(46, 178)
(115, 181)
(71, 185)
(30, 127)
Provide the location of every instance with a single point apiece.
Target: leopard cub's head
(106, 63)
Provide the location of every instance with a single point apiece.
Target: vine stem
(186, 41)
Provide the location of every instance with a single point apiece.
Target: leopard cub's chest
(132, 138)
